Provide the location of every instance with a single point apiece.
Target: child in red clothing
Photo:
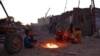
(59, 34)
(66, 36)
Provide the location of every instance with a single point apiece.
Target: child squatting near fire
(74, 37)
(29, 41)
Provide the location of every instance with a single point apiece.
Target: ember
(51, 45)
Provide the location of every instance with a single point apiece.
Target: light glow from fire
(51, 45)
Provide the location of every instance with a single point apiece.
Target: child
(77, 35)
(66, 36)
(59, 34)
(28, 40)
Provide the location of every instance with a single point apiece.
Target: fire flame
(51, 45)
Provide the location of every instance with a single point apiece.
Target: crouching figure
(77, 35)
(29, 42)
(59, 34)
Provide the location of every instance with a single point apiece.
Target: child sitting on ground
(28, 39)
(76, 35)
(59, 34)
(67, 36)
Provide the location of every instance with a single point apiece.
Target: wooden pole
(65, 6)
(4, 9)
(78, 3)
(93, 15)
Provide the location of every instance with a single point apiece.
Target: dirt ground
(89, 47)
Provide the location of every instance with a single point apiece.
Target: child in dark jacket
(29, 42)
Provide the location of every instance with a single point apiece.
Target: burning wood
(53, 44)
(50, 45)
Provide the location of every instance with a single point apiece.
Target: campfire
(52, 44)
